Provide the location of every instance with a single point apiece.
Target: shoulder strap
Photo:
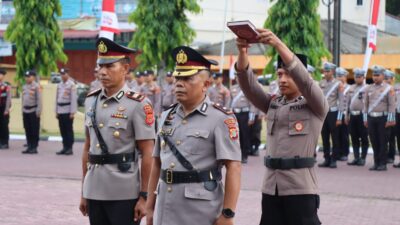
(93, 93)
(332, 89)
(135, 96)
(355, 94)
(92, 114)
(222, 109)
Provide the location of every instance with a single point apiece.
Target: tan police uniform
(379, 108)
(220, 94)
(244, 112)
(354, 114)
(292, 129)
(66, 105)
(153, 93)
(167, 96)
(31, 110)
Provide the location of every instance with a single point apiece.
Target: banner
(372, 33)
(109, 20)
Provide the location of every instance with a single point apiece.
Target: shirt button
(197, 133)
(169, 189)
(105, 105)
(162, 144)
(178, 142)
(172, 165)
(116, 134)
(101, 125)
(116, 124)
(97, 145)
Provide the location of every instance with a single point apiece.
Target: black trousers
(32, 128)
(378, 135)
(244, 133)
(344, 145)
(119, 212)
(359, 136)
(397, 130)
(4, 129)
(255, 139)
(392, 142)
(290, 210)
(329, 130)
(66, 129)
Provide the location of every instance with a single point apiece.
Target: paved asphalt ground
(44, 189)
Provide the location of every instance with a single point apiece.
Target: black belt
(288, 163)
(64, 104)
(30, 107)
(112, 158)
(175, 177)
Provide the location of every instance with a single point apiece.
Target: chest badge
(121, 109)
(299, 126)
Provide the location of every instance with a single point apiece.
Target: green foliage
(161, 26)
(37, 36)
(297, 24)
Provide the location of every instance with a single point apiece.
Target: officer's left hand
(71, 116)
(250, 123)
(222, 220)
(6, 113)
(338, 122)
(140, 210)
(390, 124)
(267, 37)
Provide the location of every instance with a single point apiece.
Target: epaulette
(135, 96)
(222, 109)
(93, 93)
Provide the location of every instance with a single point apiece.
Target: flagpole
(221, 68)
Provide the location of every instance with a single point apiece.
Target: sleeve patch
(148, 111)
(232, 128)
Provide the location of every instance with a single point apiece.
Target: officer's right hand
(83, 207)
(366, 124)
(242, 45)
(149, 216)
(338, 123)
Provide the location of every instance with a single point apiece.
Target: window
(359, 2)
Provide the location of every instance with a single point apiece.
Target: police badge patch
(233, 130)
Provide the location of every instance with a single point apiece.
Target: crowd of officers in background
(359, 113)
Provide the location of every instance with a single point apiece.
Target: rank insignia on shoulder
(222, 109)
(231, 123)
(135, 96)
(93, 93)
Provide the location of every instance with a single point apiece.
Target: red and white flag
(372, 33)
(109, 20)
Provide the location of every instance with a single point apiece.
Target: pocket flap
(199, 193)
(118, 123)
(198, 133)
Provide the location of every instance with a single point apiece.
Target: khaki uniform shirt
(32, 96)
(153, 93)
(397, 90)
(335, 95)
(205, 137)
(66, 93)
(5, 96)
(293, 128)
(94, 85)
(168, 95)
(386, 104)
(220, 94)
(122, 121)
(355, 98)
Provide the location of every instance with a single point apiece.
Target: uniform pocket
(196, 137)
(299, 123)
(270, 120)
(118, 123)
(197, 191)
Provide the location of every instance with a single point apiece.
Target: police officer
(218, 93)
(139, 79)
(168, 95)
(5, 105)
(295, 118)
(31, 110)
(245, 113)
(354, 118)
(196, 139)
(130, 82)
(379, 115)
(152, 91)
(118, 121)
(389, 79)
(66, 107)
(397, 131)
(344, 145)
(255, 132)
(95, 84)
(333, 90)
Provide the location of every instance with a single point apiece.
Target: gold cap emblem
(102, 47)
(181, 57)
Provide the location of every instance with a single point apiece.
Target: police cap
(189, 62)
(111, 52)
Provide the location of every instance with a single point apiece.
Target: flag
(372, 33)
(109, 20)
(231, 68)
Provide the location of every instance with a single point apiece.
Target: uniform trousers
(329, 130)
(359, 136)
(4, 130)
(290, 210)
(32, 127)
(378, 135)
(344, 145)
(244, 133)
(256, 133)
(120, 212)
(391, 142)
(397, 130)
(66, 129)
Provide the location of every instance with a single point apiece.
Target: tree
(393, 7)
(37, 36)
(297, 24)
(161, 26)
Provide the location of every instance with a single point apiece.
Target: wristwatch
(143, 194)
(228, 213)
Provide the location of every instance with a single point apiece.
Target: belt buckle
(169, 178)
